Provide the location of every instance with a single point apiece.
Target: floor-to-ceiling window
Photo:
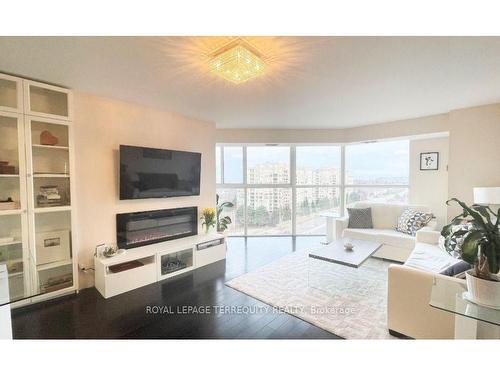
(282, 190)
(377, 172)
(317, 186)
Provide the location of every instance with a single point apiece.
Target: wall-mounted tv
(157, 173)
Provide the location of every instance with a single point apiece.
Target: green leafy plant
(222, 222)
(480, 244)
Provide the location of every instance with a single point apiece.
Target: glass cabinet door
(11, 98)
(47, 101)
(53, 253)
(49, 191)
(15, 257)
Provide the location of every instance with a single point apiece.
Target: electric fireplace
(148, 227)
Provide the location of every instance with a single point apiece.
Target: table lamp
(489, 196)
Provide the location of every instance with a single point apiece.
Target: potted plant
(208, 218)
(222, 222)
(479, 245)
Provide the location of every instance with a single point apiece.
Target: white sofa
(396, 245)
(409, 290)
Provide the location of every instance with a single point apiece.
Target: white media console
(145, 265)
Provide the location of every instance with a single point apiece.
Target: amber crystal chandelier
(238, 61)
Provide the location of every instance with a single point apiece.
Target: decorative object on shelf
(429, 161)
(9, 204)
(58, 282)
(172, 266)
(208, 218)
(49, 196)
(125, 266)
(222, 222)
(5, 168)
(15, 266)
(52, 247)
(480, 247)
(48, 139)
(108, 251)
(349, 246)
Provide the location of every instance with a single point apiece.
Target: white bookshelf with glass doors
(36, 189)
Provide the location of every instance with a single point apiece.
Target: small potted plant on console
(208, 219)
(476, 230)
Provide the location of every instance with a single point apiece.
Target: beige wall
(100, 126)
(474, 151)
(430, 188)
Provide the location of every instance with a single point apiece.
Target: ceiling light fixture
(238, 61)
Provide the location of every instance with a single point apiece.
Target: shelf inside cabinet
(14, 274)
(11, 243)
(47, 266)
(8, 175)
(51, 175)
(48, 147)
(52, 209)
(10, 212)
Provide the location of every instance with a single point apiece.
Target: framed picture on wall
(429, 161)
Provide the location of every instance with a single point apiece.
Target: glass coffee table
(320, 277)
(471, 320)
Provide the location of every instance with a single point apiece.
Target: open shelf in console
(125, 272)
(175, 262)
(130, 265)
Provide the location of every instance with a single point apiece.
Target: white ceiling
(311, 82)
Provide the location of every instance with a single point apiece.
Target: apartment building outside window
(282, 190)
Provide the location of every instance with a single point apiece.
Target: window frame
(341, 186)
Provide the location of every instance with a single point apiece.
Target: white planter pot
(484, 292)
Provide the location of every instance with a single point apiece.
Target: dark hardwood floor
(89, 315)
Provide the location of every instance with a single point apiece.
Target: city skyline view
(366, 162)
(318, 168)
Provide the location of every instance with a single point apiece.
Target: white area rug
(345, 301)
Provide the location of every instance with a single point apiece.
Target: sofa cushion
(386, 215)
(456, 269)
(430, 258)
(455, 242)
(360, 218)
(385, 236)
(412, 220)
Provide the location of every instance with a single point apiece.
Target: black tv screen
(156, 173)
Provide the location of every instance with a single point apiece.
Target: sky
(371, 160)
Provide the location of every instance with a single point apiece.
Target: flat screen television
(157, 173)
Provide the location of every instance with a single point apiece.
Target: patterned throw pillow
(455, 242)
(411, 221)
(360, 218)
